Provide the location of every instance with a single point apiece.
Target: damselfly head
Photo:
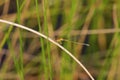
(60, 40)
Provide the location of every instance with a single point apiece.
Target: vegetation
(75, 24)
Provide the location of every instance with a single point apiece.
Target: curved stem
(42, 35)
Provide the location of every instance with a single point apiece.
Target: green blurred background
(26, 56)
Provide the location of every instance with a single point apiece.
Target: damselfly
(60, 40)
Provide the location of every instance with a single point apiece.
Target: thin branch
(42, 35)
(89, 32)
